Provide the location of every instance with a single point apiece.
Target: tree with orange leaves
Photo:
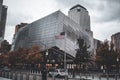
(34, 55)
(4, 60)
(106, 55)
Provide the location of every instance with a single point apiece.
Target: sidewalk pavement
(4, 78)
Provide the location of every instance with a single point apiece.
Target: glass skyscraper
(43, 32)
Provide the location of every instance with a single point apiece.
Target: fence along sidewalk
(17, 75)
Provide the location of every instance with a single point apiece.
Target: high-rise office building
(3, 14)
(80, 15)
(44, 31)
(115, 38)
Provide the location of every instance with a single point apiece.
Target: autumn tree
(106, 55)
(22, 56)
(34, 56)
(102, 52)
(4, 60)
(12, 58)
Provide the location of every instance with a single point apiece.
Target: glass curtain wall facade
(3, 15)
(43, 31)
(73, 32)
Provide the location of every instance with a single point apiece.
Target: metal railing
(28, 75)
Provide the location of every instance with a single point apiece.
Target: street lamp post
(118, 64)
(53, 62)
(44, 70)
(102, 68)
(43, 65)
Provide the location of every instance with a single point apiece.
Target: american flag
(60, 36)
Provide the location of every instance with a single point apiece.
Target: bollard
(99, 77)
(15, 76)
(3, 74)
(18, 76)
(116, 77)
(35, 71)
(7, 74)
(66, 77)
(11, 75)
(21, 76)
(86, 76)
(73, 74)
(89, 74)
(0, 74)
(107, 77)
(80, 75)
(92, 76)
(53, 76)
(34, 77)
(27, 76)
(44, 74)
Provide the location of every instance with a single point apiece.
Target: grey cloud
(114, 1)
(70, 3)
(16, 18)
(114, 8)
(109, 10)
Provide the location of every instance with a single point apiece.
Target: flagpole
(65, 52)
(62, 36)
(65, 59)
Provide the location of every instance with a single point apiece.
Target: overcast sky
(105, 14)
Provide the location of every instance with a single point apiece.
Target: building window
(78, 10)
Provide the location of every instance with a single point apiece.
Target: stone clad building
(115, 38)
(44, 31)
(80, 15)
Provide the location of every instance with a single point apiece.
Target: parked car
(58, 73)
